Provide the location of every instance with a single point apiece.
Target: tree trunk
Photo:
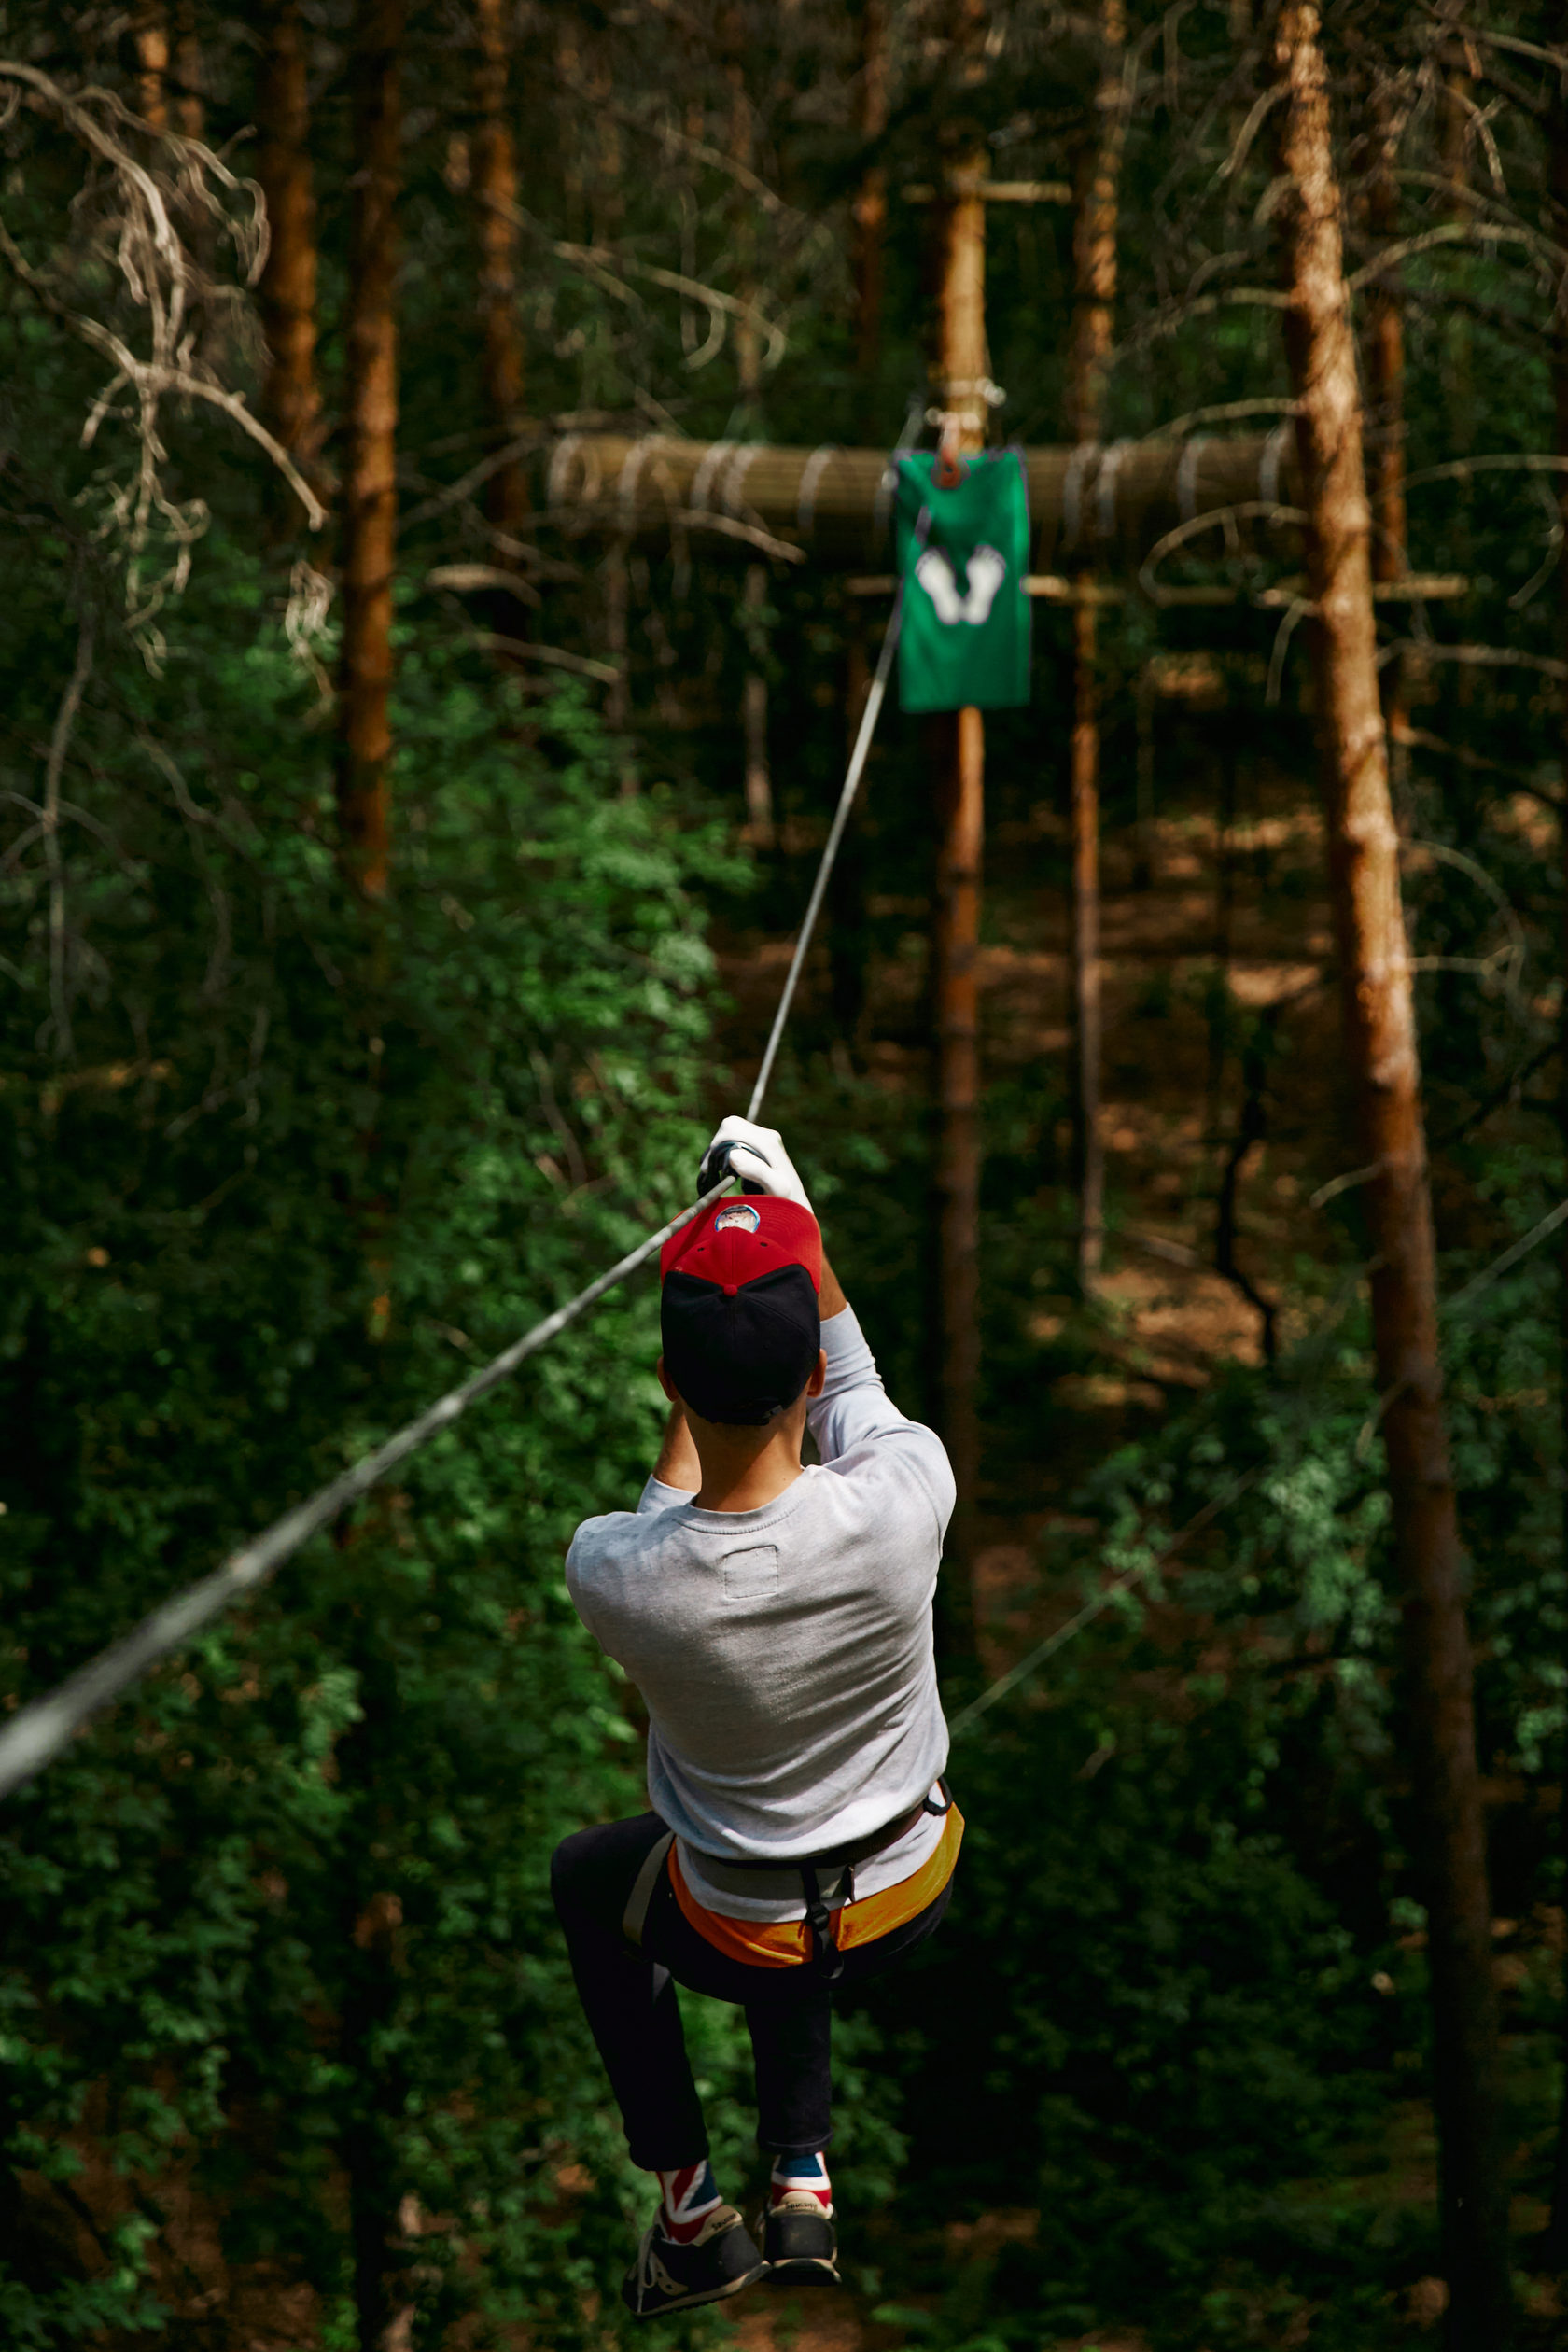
(150, 45)
(370, 499)
(870, 211)
(290, 397)
(191, 114)
(960, 739)
(956, 945)
(754, 716)
(500, 367)
(1094, 247)
(849, 940)
(1384, 1062)
(1558, 2238)
(847, 931)
(381, 2313)
(749, 382)
(1385, 385)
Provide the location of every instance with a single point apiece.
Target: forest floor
(1218, 978)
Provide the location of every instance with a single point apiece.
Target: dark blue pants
(629, 1997)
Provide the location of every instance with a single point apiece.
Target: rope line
(1130, 1577)
(1101, 1599)
(835, 831)
(36, 1732)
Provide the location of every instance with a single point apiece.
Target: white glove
(757, 1155)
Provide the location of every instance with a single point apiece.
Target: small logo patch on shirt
(742, 1215)
(751, 1573)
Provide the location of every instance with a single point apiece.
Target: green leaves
(285, 1910)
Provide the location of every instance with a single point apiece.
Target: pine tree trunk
(758, 827)
(961, 740)
(290, 397)
(1094, 245)
(189, 109)
(1558, 2237)
(1385, 384)
(1384, 1062)
(495, 188)
(870, 211)
(369, 495)
(849, 940)
(754, 718)
(149, 43)
(956, 948)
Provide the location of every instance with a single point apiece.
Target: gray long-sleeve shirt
(785, 1654)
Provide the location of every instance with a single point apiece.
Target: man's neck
(738, 1475)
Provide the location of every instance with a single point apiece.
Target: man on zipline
(778, 1621)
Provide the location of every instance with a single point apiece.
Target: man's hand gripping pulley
(755, 1154)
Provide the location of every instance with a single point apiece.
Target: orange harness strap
(788, 1944)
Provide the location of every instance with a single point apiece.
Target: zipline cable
(835, 831)
(36, 1732)
(1129, 1578)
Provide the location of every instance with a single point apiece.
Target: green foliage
(283, 1916)
(276, 1936)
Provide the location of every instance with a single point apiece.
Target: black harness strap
(826, 1958)
(847, 1857)
(841, 1862)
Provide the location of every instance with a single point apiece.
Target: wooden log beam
(1111, 504)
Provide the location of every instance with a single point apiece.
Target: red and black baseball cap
(739, 1311)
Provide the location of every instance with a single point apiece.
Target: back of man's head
(740, 1311)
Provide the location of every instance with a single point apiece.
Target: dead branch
(137, 240)
(1478, 656)
(1217, 518)
(1463, 469)
(66, 719)
(1420, 739)
(674, 141)
(602, 262)
(1452, 232)
(553, 656)
(1226, 412)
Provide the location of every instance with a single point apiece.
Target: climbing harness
(36, 1732)
(827, 1879)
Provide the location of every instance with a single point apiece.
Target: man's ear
(668, 1385)
(818, 1379)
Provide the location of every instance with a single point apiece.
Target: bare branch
(138, 242)
(554, 656)
(1248, 133)
(1478, 657)
(66, 719)
(1450, 232)
(1224, 413)
(1462, 469)
(1216, 519)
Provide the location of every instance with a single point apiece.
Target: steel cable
(36, 1732)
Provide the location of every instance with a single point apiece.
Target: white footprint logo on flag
(988, 570)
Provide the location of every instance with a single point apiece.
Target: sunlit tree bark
(870, 210)
(1384, 347)
(190, 108)
(1094, 247)
(150, 41)
(1384, 1067)
(494, 190)
(961, 753)
(369, 495)
(291, 397)
(1558, 170)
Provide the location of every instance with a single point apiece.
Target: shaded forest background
(332, 1055)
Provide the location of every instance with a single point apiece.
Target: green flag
(965, 637)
